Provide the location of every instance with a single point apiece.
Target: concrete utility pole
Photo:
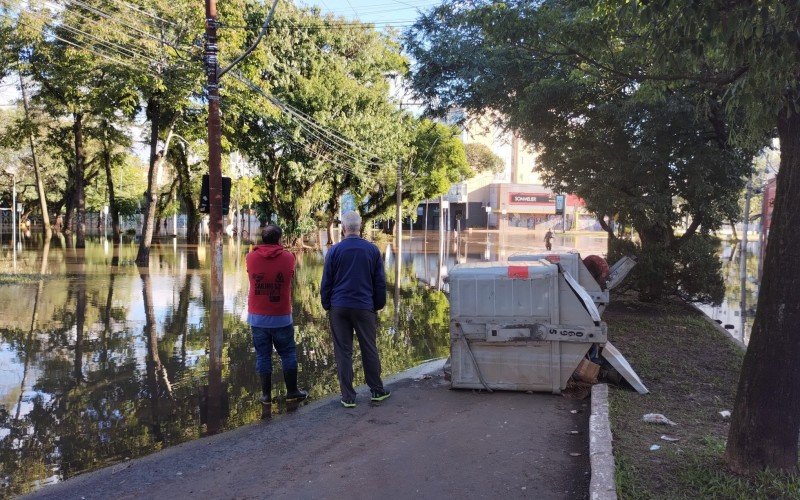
(213, 74)
(214, 176)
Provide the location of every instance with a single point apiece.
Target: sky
(397, 13)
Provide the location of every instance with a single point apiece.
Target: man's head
(271, 235)
(351, 222)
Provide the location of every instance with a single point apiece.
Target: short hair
(271, 234)
(351, 222)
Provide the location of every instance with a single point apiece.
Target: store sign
(529, 198)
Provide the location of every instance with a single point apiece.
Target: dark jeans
(365, 323)
(283, 340)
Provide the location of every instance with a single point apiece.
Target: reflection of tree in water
(113, 389)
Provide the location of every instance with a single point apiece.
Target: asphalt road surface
(426, 441)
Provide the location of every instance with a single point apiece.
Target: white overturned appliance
(525, 324)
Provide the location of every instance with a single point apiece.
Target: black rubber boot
(266, 388)
(292, 392)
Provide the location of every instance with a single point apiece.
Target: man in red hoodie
(269, 305)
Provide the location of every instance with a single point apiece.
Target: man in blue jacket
(353, 290)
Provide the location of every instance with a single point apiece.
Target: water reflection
(101, 361)
(737, 310)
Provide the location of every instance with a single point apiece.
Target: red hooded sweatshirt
(270, 269)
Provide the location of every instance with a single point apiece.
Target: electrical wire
(123, 50)
(139, 9)
(114, 20)
(326, 26)
(76, 45)
(323, 136)
(313, 127)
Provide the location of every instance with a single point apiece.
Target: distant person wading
(353, 290)
(270, 269)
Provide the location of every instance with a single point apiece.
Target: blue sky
(397, 13)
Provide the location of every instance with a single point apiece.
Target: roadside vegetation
(691, 370)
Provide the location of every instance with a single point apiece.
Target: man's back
(353, 276)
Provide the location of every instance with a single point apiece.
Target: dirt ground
(426, 441)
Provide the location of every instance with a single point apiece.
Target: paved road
(426, 441)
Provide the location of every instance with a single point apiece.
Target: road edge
(602, 485)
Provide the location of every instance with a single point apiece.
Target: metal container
(519, 326)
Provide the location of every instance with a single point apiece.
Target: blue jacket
(353, 276)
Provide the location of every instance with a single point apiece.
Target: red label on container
(518, 272)
(555, 259)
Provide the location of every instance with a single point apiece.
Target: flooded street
(100, 363)
(738, 308)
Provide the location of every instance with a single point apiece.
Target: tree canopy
(645, 158)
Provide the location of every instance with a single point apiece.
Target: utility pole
(743, 258)
(745, 228)
(213, 74)
(214, 181)
(399, 224)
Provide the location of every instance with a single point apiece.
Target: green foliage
(437, 159)
(650, 158)
(698, 270)
(481, 158)
(334, 76)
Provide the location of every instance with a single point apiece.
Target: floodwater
(738, 307)
(101, 363)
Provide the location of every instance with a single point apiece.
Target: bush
(698, 270)
(691, 269)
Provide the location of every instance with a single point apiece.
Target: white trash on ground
(657, 418)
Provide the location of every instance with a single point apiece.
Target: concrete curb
(601, 457)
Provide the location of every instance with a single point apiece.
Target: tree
(435, 159)
(749, 51)
(648, 158)
(746, 55)
(317, 114)
(481, 158)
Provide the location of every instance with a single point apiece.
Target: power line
(327, 25)
(140, 10)
(307, 120)
(114, 20)
(126, 51)
(54, 35)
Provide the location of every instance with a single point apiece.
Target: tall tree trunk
(47, 230)
(185, 194)
(80, 167)
(143, 255)
(766, 416)
(69, 207)
(654, 261)
(733, 230)
(113, 209)
(333, 209)
(156, 160)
